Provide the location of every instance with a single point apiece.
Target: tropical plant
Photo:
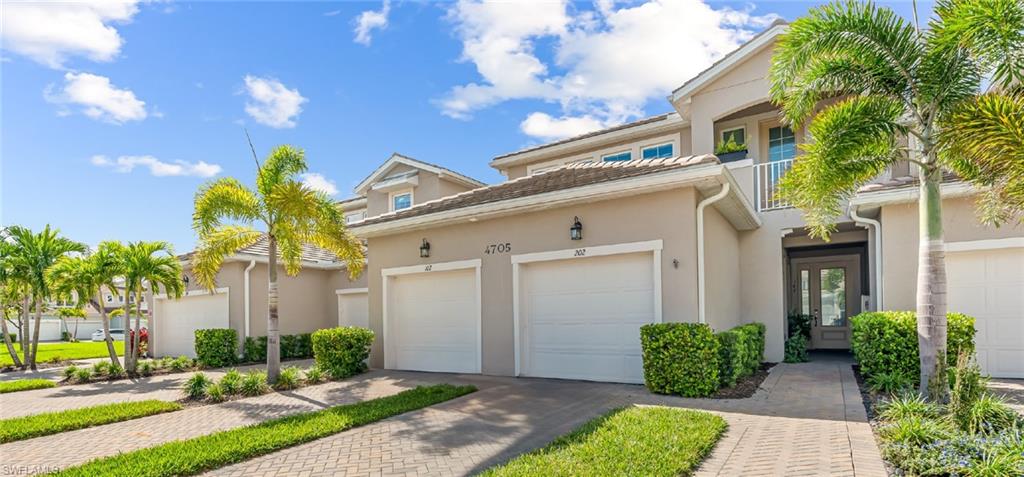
(32, 254)
(10, 292)
(314, 375)
(195, 386)
(896, 80)
(83, 375)
(291, 213)
(289, 379)
(726, 146)
(231, 382)
(73, 312)
(86, 278)
(70, 371)
(215, 392)
(253, 383)
(148, 266)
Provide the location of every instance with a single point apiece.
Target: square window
(657, 152)
(401, 201)
(738, 135)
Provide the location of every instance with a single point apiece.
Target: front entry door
(828, 289)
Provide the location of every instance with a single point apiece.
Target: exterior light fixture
(184, 278)
(425, 249)
(576, 231)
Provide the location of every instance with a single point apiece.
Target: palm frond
(850, 142)
(283, 163)
(224, 198)
(330, 233)
(215, 246)
(991, 30)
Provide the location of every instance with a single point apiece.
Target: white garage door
(178, 320)
(989, 285)
(433, 321)
(581, 317)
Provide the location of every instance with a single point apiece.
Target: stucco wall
(665, 215)
(900, 244)
(722, 266)
(430, 187)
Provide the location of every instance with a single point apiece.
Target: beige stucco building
(552, 272)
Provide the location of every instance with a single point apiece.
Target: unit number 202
(498, 248)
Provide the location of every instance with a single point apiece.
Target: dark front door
(828, 289)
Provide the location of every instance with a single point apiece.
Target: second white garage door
(433, 321)
(580, 318)
(989, 285)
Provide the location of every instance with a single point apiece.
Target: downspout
(876, 227)
(252, 264)
(701, 298)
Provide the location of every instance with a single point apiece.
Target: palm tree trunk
(273, 340)
(35, 331)
(931, 289)
(7, 337)
(127, 326)
(25, 348)
(138, 330)
(106, 330)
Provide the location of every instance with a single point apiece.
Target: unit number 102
(498, 248)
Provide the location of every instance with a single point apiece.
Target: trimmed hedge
(740, 352)
(217, 347)
(299, 346)
(680, 358)
(886, 341)
(341, 352)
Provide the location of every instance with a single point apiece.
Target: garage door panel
(434, 322)
(582, 317)
(1006, 363)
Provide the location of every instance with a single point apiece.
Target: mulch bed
(870, 401)
(745, 387)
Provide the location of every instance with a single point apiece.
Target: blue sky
(113, 117)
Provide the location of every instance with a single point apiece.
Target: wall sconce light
(184, 278)
(576, 231)
(425, 249)
(675, 263)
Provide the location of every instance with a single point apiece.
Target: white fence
(766, 181)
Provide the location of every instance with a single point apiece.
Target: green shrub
(217, 347)
(146, 367)
(115, 371)
(886, 341)
(215, 392)
(341, 352)
(680, 358)
(254, 383)
(165, 362)
(796, 350)
(739, 352)
(69, 372)
(13, 337)
(968, 386)
(180, 363)
(798, 325)
(989, 414)
(195, 386)
(83, 375)
(100, 368)
(907, 405)
(16, 385)
(297, 346)
(915, 431)
(890, 383)
(254, 350)
(314, 375)
(288, 379)
(231, 382)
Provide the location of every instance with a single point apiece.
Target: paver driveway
(807, 420)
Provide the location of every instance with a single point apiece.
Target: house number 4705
(498, 248)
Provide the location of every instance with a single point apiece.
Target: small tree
(147, 266)
(896, 81)
(74, 313)
(292, 214)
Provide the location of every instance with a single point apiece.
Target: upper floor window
(354, 217)
(401, 200)
(737, 135)
(657, 152)
(781, 144)
(620, 156)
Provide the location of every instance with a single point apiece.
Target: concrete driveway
(1011, 389)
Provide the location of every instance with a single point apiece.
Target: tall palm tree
(147, 266)
(32, 255)
(87, 277)
(9, 292)
(896, 81)
(291, 214)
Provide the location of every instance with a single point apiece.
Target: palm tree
(896, 81)
(152, 266)
(33, 254)
(292, 215)
(9, 292)
(87, 277)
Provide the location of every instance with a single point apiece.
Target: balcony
(766, 181)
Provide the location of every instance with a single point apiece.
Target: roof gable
(396, 159)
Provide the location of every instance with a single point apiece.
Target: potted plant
(728, 150)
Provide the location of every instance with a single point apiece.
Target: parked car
(116, 333)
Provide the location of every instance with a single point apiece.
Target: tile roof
(641, 122)
(901, 182)
(566, 177)
(310, 253)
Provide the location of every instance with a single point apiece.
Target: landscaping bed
(52, 355)
(746, 386)
(633, 441)
(193, 456)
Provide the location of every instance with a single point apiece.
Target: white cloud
(97, 98)
(51, 32)
(606, 63)
(319, 182)
(371, 20)
(332, 13)
(125, 164)
(271, 103)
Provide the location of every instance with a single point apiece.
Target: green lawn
(633, 441)
(25, 385)
(64, 351)
(36, 425)
(194, 456)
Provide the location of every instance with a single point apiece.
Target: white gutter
(701, 298)
(252, 264)
(876, 227)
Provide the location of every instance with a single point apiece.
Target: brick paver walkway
(807, 419)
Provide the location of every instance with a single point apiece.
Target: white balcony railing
(766, 180)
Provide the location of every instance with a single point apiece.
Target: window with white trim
(657, 152)
(619, 156)
(738, 135)
(355, 217)
(401, 200)
(781, 144)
